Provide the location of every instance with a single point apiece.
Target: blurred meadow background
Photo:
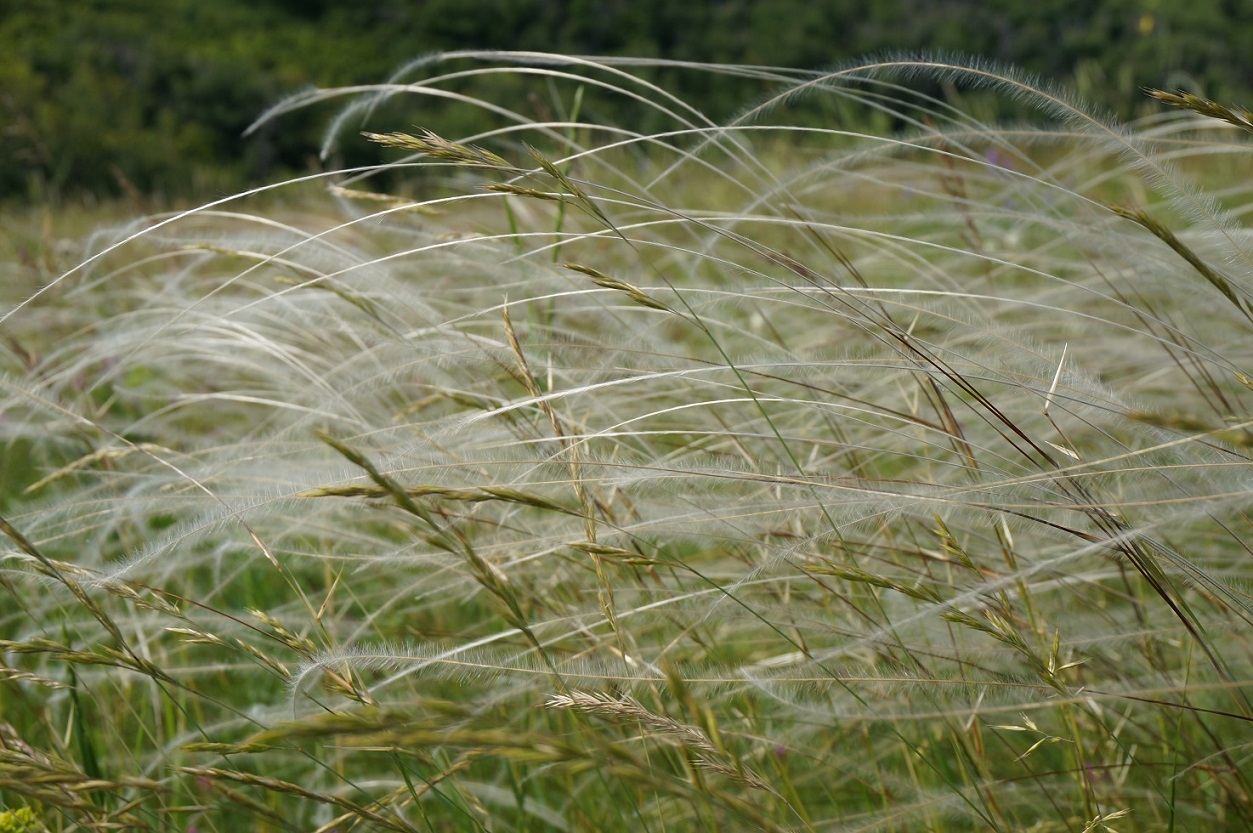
(796, 416)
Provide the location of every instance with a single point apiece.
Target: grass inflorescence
(782, 474)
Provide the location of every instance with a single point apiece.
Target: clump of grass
(778, 474)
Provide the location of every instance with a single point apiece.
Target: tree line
(107, 96)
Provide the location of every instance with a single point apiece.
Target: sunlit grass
(776, 474)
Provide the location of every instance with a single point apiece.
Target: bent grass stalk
(774, 474)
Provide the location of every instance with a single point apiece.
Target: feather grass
(779, 473)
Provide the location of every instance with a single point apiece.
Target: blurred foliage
(109, 96)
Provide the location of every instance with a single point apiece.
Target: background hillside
(125, 95)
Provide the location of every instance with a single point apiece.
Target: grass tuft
(856, 464)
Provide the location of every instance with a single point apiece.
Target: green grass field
(783, 474)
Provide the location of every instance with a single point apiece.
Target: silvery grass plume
(850, 464)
